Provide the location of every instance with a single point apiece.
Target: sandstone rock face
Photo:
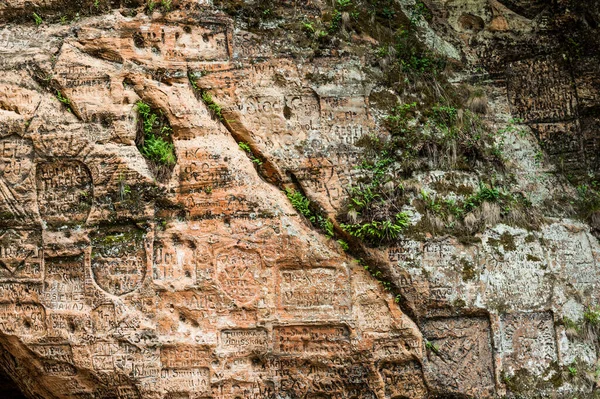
(124, 277)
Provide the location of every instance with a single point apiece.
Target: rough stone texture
(116, 282)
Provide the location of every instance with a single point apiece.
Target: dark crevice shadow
(8, 388)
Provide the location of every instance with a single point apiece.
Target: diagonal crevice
(270, 172)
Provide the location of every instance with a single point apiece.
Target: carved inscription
(313, 288)
(201, 172)
(403, 380)
(541, 90)
(174, 261)
(25, 319)
(174, 44)
(187, 379)
(65, 192)
(523, 274)
(374, 314)
(528, 341)
(20, 254)
(104, 318)
(312, 340)
(183, 356)
(463, 359)
(119, 259)
(244, 341)
(16, 201)
(64, 285)
(15, 160)
(236, 268)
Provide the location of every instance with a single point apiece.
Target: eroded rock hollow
(307, 199)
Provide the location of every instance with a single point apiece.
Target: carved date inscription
(312, 340)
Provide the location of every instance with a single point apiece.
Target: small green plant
(420, 11)
(166, 5)
(37, 19)
(159, 150)
(430, 202)
(382, 52)
(97, 4)
(214, 107)
(303, 205)
(572, 370)
(64, 20)
(592, 316)
(336, 20)
(244, 146)
(148, 117)
(62, 99)
(343, 4)
(328, 227)
(444, 116)
(485, 193)
(378, 232)
(208, 189)
(513, 128)
(299, 202)
(308, 27)
(432, 347)
(571, 325)
(155, 145)
(343, 244)
(151, 5)
(539, 157)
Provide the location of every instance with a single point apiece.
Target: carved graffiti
(119, 259)
(235, 273)
(65, 192)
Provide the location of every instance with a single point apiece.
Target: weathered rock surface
(121, 279)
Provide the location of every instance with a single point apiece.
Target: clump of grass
(343, 244)
(592, 316)
(478, 102)
(37, 19)
(150, 5)
(440, 136)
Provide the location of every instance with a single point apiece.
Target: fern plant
(378, 232)
(159, 150)
(155, 145)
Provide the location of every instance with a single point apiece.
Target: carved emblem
(235, 274)
(119, 260)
